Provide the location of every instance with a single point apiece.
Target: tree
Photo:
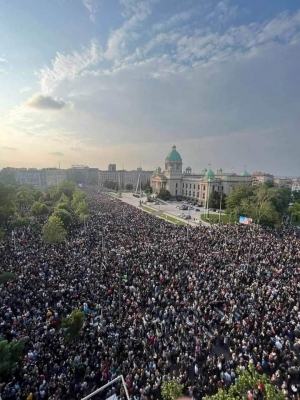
(8, 177)
(82, 208)
(281, 199)
(110, 185)
(67, 188)
(129, 186)
(62, 206)
(38, 195)
(6, 277)
(7, 201)
(73, 324)
(39, 208)
(64, 216)
(24, 196)
(92, 179)
(295, 196)
(215, 198)
(20, 222)
(233, 201)
(164, 194)
(171, 390)
(249, 380)
(295, 210)
(78, 196)
(54, 231)
(10, 355)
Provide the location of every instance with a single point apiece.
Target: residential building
(123, 177)
(196, 187)
(30, 177)
(259, 178)
(296, 185)
(283, 182)
(52, 176)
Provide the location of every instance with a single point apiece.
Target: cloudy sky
(120, 81)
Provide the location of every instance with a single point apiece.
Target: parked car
(187, 217)
(197, 209)
(191, 208)
(181, 215)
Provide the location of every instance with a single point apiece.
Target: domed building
(195, 187)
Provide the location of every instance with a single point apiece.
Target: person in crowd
(191, 309)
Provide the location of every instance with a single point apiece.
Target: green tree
(82, 208)
(110, 185)
(249, 380)
(215, 198)
(38, 195)
(7, 201)
(39, 208)
(171, 390)
(64, 216)
(295, 196)
(64, 199)
(92, 179)
(73, 324)
(24, 196)
(20, 221)
(62, 206)
(54, 231)
(10, 355)
(129, 186)
(8, 177)
(233, 201)
(281, 199)
(77, 176)
(67, 188)
(6, 277)
(295, 210)
(164, 194)
(2, 234)
(78, 196)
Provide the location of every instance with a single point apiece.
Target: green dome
(245, 173)
(174, 155)
(210, 174)
(188, 168)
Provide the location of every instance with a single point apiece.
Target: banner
(245, 220)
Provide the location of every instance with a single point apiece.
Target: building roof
(174, 155)
(210, 174)
(245, 173)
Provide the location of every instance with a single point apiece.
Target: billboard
(245, 220)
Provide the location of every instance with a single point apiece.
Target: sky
(95, 82)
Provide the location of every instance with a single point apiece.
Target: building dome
(174, 155)
(245, 173)
(210, 174)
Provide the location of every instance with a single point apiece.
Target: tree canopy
(164, 194)
(10, 355)
(171, 390)
(39, 208)
(54, 230)
(6, 277)
(73, 324)
(215, 198)
(249, 382)
(265, 205)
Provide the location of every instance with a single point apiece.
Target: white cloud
(25, 89)
(92, 7)
(175, 19)
(68, 66)
(3, 60)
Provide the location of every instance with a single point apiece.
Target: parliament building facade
(195, 187)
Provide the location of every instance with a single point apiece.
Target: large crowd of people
(158, 305)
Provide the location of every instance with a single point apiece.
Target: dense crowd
(191, 309)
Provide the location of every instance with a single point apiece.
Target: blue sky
(120, 81)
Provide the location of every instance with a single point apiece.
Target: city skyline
(100, 81)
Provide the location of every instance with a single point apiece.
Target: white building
(122, 177)
(30, 177)
(196, 187)
(296, 185)
(259, 178)
(40, 179)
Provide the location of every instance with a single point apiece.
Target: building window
(186, 192)
(222, 188)
(190, 193)
(176, 186)
(203, 196)
(204, 187)
(182, 192)
(198, 187)
(193, 194)
(197, 194)
(176, 191)
(190, 186)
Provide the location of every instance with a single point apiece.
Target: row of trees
(72, 203)
(265, 205)
(249, 384)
